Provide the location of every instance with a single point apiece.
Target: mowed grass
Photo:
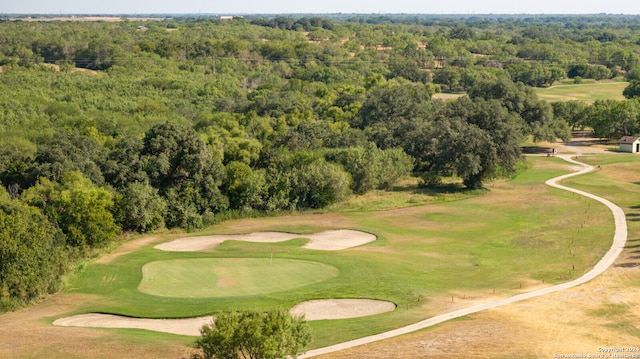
(496, 242)
(617, 178)
(229, 277)
(583, 92)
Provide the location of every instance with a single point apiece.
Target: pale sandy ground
(341, 308)
(312, 310)
(334, 240)
(190, 326)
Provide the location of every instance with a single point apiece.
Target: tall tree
(140, 208)
(82, 210)
(244, 186)
(522, 101)
(69, 151)
(32, 256)
(184, 171)
(464, 150)
(632, 90)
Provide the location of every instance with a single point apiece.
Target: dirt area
(334, 240)
(189, 326)
(447, 96)
(126, 248)
(582, 145)
(28, 333)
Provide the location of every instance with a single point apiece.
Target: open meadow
(587, 92)
(459, 250)
(583, 92)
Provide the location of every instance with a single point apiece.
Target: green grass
(609, 309)
(513, 232)
(617, 179)
(229, 277)
(584, 92)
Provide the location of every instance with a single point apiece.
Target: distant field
(586, 92)
(85, 18)
(447, 96)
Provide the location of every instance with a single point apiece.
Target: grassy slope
(518, 232)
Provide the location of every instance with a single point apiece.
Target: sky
(318, 6)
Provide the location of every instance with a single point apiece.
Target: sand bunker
(312, 310)
(325, 241)
(190, 326)
(341, 308)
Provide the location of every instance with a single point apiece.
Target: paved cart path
(619, 240)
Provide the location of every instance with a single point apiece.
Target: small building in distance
(630, 144)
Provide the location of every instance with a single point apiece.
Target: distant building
(226, 17)
(630, 144)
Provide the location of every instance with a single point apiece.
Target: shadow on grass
(435, 191)
(635, 217)
(633, 243)
(535, 150)
(628, 265)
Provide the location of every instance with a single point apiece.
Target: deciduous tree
(270, 335)
(78, 207)
(32, 256)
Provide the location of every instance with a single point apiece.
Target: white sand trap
(189, 326)
(341, 308)
(312, 310)
(334, 240)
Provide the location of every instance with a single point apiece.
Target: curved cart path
(619, 240)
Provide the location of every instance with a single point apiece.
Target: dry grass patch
(126, 248)
(625, 172)
(602, 313)
(27, 333)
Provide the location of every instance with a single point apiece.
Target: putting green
(227, 277)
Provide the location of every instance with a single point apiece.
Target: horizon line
(135, 14)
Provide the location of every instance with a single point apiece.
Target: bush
(269, 335)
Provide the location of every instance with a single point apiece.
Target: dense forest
(134, 126)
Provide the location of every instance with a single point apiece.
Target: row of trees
(535, 50)
(607, 118)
